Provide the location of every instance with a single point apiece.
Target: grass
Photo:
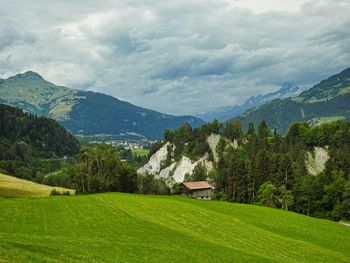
(140, 152)
(322, 120)
(14, 187)
(117, 227)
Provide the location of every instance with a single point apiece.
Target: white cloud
(180, 57)
(261, 6)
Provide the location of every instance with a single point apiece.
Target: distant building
(198, 190)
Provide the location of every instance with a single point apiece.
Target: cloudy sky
(179, 57)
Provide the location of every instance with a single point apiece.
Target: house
(198, 190)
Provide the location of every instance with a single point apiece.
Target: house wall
(205, 193)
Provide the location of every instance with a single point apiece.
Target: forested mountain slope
(30, 145)
(87, 113)
(43, 136)
(328, 100)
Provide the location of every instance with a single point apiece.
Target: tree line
(100, 169)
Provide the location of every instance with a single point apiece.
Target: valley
(174, 131)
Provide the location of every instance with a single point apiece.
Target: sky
(178, 57)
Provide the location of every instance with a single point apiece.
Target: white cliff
(154, 164)
(316, 160)
(213, 141)
(175, 173)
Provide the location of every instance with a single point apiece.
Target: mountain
(286, 91)
(87, 113)
(328, 100)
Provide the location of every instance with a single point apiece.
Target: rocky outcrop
(316, 160)
(213, 141)
(154, 164)
(176, 172)
(185, 166)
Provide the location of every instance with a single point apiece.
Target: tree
(308, 192)
(267, 194)
(169, 135)
(262, 165)
(251, 131)
(346, 201)
(233, 130)
(263, 130)
(100, 170)
(199, 174)
(286, 198)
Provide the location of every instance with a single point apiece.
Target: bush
(54, 192)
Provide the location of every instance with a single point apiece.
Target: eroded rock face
(316, 161)
(175, 173)
(154, 164)
(185, 166)
(213, 141)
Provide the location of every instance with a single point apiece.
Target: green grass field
(140, 152)
(14, 187)
(117, 227)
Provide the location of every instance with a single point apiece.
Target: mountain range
(224, 113)
(87, 113)
(328, 100)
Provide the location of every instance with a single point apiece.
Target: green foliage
(154, 148)
(233, 130)
(271, 170)
(169, 135)
(267, 194)
(265, 159)
(25, 133)
(32, 146)
(199, 174)
(54, 192)
(100, 170)
(147, 184)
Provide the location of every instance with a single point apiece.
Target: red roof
(197, 185)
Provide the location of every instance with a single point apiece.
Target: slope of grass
(134, 228)
(14, 187)
(140, 152)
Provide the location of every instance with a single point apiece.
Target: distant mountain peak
(289, 86)
(287, 90)
(29, 74)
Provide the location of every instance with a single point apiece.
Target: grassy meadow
(140, 152)
(116, 227)
(14, 187)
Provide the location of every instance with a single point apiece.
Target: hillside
(87, 113)
(32, 146)
(42, 136)
(306, 171)
(328, 100)
(14, 187)
(330, 88)
(135, 228)
(288, 90)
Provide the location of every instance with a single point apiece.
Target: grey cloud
(179, 57)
